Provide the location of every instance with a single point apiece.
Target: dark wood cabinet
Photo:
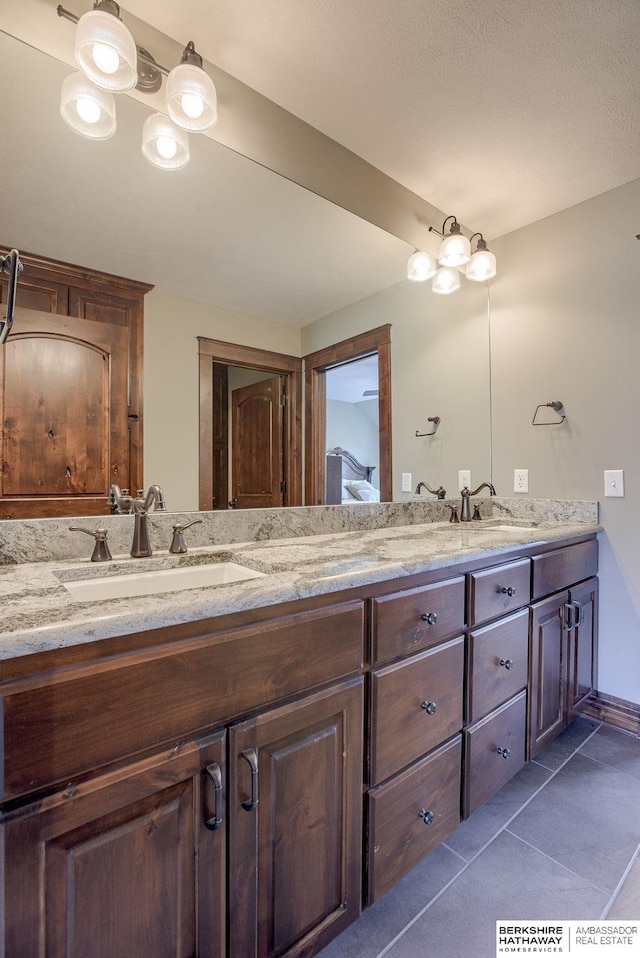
(106, 867)
(70, 391)
(582, 646)
(295, 821)
(548, 670)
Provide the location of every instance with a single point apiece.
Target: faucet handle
(454, 513)
(178, 545)
(101, 551)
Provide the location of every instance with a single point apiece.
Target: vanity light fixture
(111, 61)
(482, 265)
(446, 280)
(421, 266)
(455, 248)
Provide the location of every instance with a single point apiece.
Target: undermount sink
(158, 581)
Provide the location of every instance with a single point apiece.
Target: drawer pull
(508, 590)
(429, 707)
(507, 663)
(429, 617)
(250, 756)
(505, 752)
(215, 775)
(427, 817)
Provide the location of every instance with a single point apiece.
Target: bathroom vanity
(241, 777)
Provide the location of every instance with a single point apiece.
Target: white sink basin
(158, 581)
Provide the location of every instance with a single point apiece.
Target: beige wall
(440, 367)
(565, 324)
(172, 325)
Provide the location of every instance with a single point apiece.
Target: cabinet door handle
(250, 755)
(429, 707)
(427, 817)
(507, 663)
(429, 617)
(508, 590)
(214, 774)
(569, 620)
(505, 752)
(577, 609)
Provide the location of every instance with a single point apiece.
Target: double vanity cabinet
(239, 786)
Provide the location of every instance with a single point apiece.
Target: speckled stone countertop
(39, 614)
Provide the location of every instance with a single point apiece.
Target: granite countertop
(39, 614)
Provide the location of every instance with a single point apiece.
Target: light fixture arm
(10, 264)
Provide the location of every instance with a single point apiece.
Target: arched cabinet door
(63, 409)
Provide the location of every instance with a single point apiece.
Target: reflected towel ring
(557, 406)
(436, 422)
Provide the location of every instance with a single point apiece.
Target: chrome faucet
(141, 546)
(439, 492)
(465, 515)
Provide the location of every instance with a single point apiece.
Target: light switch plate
(614, 483)
(406, 482)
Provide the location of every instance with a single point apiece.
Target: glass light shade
(105, 51)
(89, 111)
(191, 98)
(482, 266)
(421, 266)
(164, 144)
(446, 280)
(455, 250)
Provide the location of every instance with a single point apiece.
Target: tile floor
(561, 840)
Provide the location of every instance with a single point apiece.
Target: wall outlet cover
(464, 478)
(521, 480)
(406, 482)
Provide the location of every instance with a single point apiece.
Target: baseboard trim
(614, 711)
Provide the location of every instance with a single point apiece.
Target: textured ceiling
(500, 111)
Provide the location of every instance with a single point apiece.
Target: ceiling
(501, 112)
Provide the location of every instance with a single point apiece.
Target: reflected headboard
(341, 464)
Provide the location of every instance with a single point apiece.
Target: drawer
(559, 569)
(497, 663)
(416, 619)
(415, 705)
(410, 815)
(70, 721)
(494, 752)
(498, 591)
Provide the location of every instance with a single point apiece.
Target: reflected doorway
(352, 429)
(250, 427)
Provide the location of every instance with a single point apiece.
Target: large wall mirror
(241, 255)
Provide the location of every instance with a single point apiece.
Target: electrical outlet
(614, 482)
(521, 480)
(464, 478)
(406, 482)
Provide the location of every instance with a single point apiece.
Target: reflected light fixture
(455, 248)
(88, 110)
(482, 265)
(446, 280)
(110, 61)
(421, 266)
(104, 49)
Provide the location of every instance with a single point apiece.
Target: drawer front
(412, 814)
(559, 569)
(416, 619)
(498, 591)
(63, 724)
(494, 752)
(415, 705)
(497, 663)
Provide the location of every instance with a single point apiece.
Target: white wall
(171, 405)
(565, 324)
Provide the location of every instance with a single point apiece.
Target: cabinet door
(547, 671)
(106, 868)
(582, 646)
(295, 814)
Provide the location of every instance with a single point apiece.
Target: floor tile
(618, 749)
(558, 751)
(486, 821)
(386, 918)
(509, 880)
(588, 818)
(627, 903)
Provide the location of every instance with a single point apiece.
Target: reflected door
(257, 445)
